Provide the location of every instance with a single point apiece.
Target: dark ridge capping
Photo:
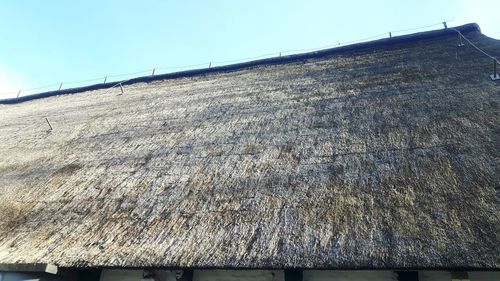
(268, 61)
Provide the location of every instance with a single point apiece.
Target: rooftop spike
(495, 75)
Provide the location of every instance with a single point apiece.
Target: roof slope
(373, 157)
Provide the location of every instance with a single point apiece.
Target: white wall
(446, 276)
(132, 275)
(428, 275)
(234, 275)
(484, 276)
(199, 275)
(329, 275)
(15, 276)
(121, 275)
(309, 275)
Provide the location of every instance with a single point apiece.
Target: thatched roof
(379, 155)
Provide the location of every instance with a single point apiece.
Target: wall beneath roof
(123, 275)
(484, 276)
(28, 276)
(257, 275)
(244, 275)
(199, 275)
(434, 275)
(328, 275)
(308, 275)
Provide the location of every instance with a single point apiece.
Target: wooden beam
(187, 275)
(29, 267)
(407, 275)
(293, 275)
(88, 275)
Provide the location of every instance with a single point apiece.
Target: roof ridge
(470, 27)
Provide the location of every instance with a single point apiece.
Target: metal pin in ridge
(460, 42)
(495, 68)
(121, 88)
(153, 74)
(60, 86)
(18, 94)
(46, 119)
(105, 78)
(495, 75)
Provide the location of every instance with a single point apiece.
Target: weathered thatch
(383, 155)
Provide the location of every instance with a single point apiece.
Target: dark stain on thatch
(67, 170)
(12, 214)
(379, 157)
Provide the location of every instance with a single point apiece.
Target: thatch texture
(377, 157)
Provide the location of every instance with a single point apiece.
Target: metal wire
(474, 45)
(269, 55)
(131, 73)
(83, 81)
(423, 27)
(179, 67)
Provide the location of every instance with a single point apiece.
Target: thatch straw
(383, 157)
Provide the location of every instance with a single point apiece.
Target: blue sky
(51, 41)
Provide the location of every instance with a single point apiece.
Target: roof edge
(470, 27)
(353, 268)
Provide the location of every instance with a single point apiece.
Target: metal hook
(48, 122)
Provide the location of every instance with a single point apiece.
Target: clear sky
(51, 41)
